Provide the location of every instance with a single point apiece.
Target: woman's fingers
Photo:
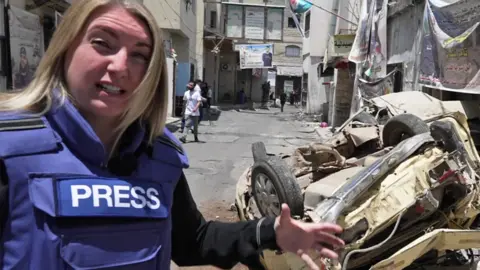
(329, 239)
(325, 252)
(308, 260)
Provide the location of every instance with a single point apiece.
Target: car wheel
(401, 127)
(274, 184)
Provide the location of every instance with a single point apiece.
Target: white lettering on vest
(121, 196)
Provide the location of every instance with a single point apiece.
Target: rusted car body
(398, 201)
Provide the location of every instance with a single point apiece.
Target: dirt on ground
(221, 211)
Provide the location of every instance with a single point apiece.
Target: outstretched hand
(299, 237)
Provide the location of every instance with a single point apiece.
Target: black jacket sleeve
(198, 242)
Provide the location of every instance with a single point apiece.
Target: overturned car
(406, 200)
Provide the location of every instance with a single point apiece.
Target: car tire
(259, 151)
(366, 118)
(401, 127)
(273, 172)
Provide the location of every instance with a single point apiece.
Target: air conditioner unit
(225, 67)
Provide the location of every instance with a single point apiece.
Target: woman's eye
(100, 42)
(141, 56)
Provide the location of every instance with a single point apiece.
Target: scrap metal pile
(401, 179)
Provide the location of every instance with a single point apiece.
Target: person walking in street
(265, 93)
(91, 178)
(193, 100)
(198, 88)
(188, 88)
(283, 99)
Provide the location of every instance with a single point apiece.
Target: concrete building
(329, 77)
(178, 19)
(228, 25)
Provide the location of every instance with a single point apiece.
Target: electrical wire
(395, 228)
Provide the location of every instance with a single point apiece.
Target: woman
(90, 177)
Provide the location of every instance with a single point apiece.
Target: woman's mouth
(110, 89)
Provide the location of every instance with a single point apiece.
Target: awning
(290, 71)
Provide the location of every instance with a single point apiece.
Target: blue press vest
(66, 211)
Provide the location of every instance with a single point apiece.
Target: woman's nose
(119, 62)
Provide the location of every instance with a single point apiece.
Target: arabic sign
(254, 22)
(234, 21)
(255, 55)
(342, 44)
(274, 23)
(450, 57)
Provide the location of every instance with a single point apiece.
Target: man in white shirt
(193, 100)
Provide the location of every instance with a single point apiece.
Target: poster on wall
(450, 58)
(234, 23)
(256, 56)
(26, 45)
(254, 22)
(274, 23)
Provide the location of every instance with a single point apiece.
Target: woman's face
(107, 62)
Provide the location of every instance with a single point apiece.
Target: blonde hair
(148, 104)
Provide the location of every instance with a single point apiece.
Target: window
(306, 27)
(213, 19)
(292, 51)
(291, 21)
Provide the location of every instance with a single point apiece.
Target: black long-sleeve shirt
(198, 242)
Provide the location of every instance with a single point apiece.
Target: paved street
(225, 152)
(225, 148)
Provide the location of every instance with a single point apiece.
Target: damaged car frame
(412, 203)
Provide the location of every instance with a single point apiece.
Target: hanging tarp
(379, 87)
(450, 58)
(369, 49)
(370, 46)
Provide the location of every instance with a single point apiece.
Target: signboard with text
(254, 22)
(255, 55)
(342, 44)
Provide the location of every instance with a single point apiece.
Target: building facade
(179, 20)
(328, 74)
(231, 24)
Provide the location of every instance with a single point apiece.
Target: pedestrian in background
(283, 100)
(189, 87)
(204, 106)
(198, 88)
(90, 176)
(193, 100)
